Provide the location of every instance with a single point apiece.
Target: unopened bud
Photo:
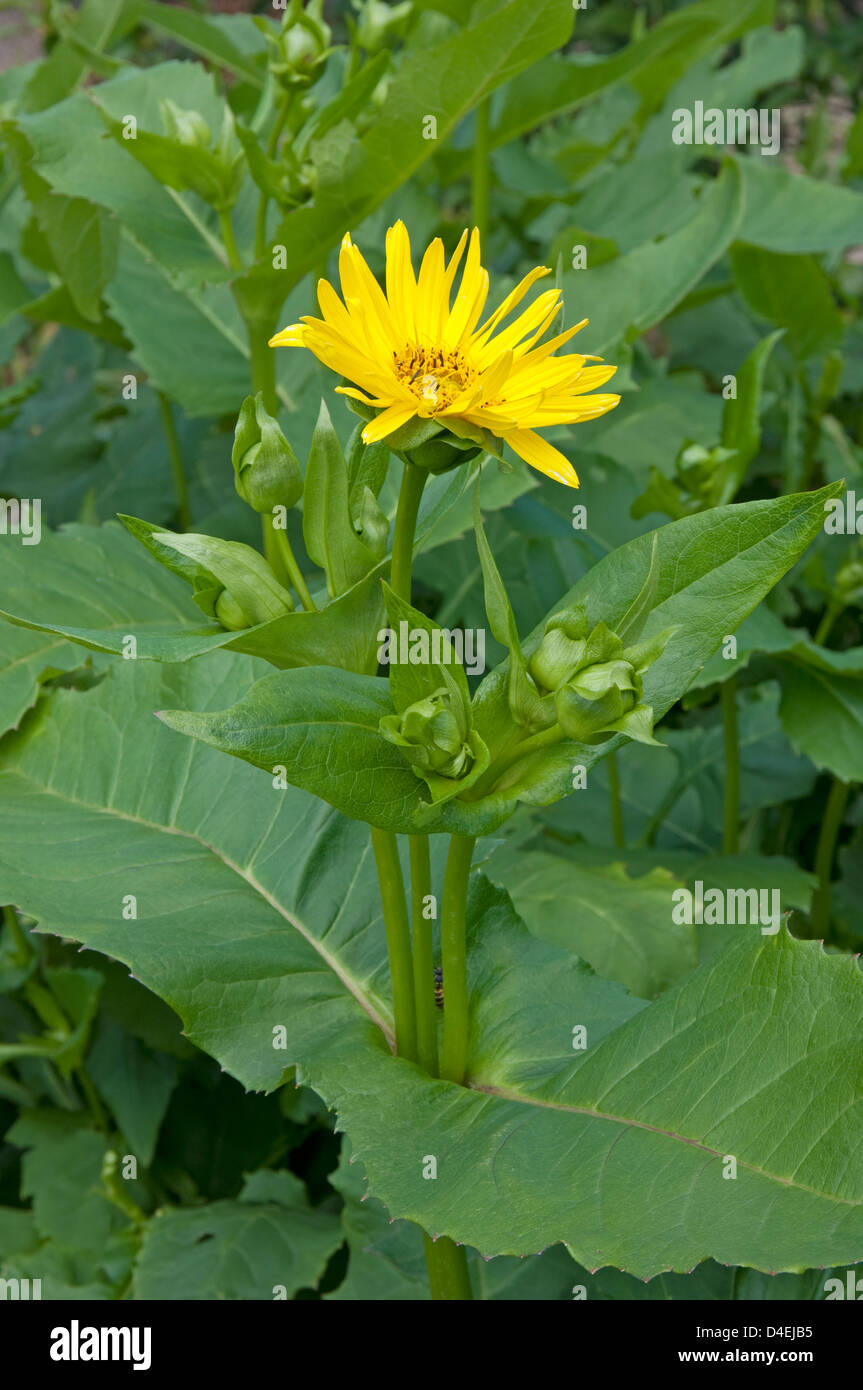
(266, 471)
(433, 734)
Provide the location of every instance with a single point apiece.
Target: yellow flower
(410, 353)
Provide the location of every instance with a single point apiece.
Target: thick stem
(824, 855)
(263, 365)
(453, 1057)
(825, 627)
(423, 951)
(480, 172)
(616, 805)
(264, 201)
(447, 1267)
(398, 933)
(176, 462)
(294, 570)
(730, 839)
(413, 482)
(227, 228)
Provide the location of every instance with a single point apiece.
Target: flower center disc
(435, 376)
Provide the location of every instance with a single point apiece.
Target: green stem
(825, 627)
(227, 229)
(272, 148)
(616, 806)
(263, 365)
(293, 569)
(453, 1057)
(413, 482)
(423, 952)
(730, 841)
(93, 1102)
(447, 1268)
(176, 461)
(480, 171)
(831, 824)
(398, 933)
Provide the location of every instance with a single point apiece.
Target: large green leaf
(621, 926)
(822, 714)
(25, 659)
(322, 728)
(624, 1152)
(792, 291)
(793, 213)
(243, 926)
(269, 1243)
(626, 296)
(653, 63)
(96, 586)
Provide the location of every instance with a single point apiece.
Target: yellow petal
(289, 337)
(387, 422)
(540, 454)
(471, 296)
(401, 285)
(514, 297)
(430, 294)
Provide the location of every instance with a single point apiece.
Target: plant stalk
(227, 230)
(413, 482)
(398, 933)
(423, 955)
(825, 853)
(176, 458)
(616, 805)
(453, 1057)
(293, 569)
(730, 839)
(447, 1268)
(446, 1262)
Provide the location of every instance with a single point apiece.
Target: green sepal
(328, 528)
(239, 569)
(525, 702)
(413, 681)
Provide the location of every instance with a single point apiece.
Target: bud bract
(187, 127)
(433, 734)
(266, 471)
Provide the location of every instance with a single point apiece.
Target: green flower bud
(187, 127)
(561, 650)
(233, 583)
(217, 172)
(442, 453)
(266, 471)
(229, 613)
(433, 734)
(849, 582)
(300, 49)
(379, 25)
(596, 699)
(595, 684)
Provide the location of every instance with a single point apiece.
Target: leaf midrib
(510, 1094)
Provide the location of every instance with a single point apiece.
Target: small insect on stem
(439, 986)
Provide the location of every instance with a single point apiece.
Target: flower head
(417, 351)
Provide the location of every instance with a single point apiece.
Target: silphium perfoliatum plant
(490, 1085)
